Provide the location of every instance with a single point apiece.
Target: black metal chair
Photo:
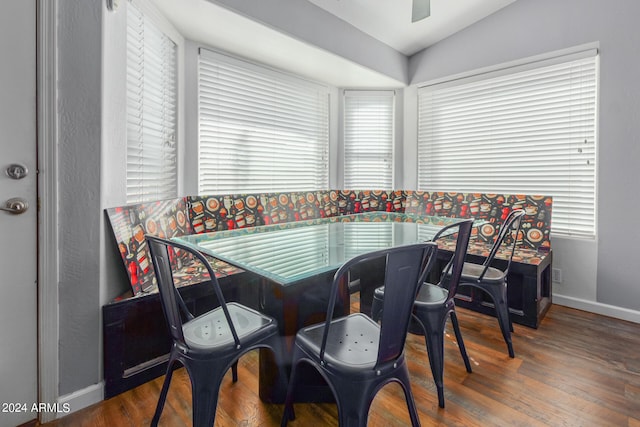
(355, 355)
(209, 344)
(492, 280)
(434, 302)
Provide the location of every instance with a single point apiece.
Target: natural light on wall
(526, 131)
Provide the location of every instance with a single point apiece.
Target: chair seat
(212, 330)
(430, 294)
(352, 342)
(471, 272)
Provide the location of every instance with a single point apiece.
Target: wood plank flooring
(576, 369)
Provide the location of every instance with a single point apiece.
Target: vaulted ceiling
(346, 43)
(390, 20)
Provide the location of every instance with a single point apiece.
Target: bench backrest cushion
(225, 212)
(493, 208)
(358, 201)
(201, 214)
(130, 224)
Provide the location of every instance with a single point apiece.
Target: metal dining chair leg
(234, 372)
(460, 341)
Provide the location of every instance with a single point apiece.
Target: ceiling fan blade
(421, 9)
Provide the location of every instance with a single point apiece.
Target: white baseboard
(81, 399)
(598, 308)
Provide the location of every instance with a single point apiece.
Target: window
(259, 129)
(525, 131)
(368, 139)
(151, 171)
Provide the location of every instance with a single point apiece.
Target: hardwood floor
(577, 369)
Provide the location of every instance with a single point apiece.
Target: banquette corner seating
(136, 345)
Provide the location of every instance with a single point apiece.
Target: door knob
(15, 206)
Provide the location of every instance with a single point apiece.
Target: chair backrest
(511, 223)
(453, 269)
(172, 303)
(406, 269)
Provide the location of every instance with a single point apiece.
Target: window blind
(368, 139)
(527, 132)
(151, 171)
(271, 252)
(259, 129)
(362, 237)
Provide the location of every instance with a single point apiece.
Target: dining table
(293, 265)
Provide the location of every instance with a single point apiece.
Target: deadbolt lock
(17, 171)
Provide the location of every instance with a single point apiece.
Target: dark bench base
(528, 291)
(137, 343)
(135, 337)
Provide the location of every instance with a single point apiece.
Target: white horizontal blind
(362, 237)
(529, 132)
(287, 253)
(259, 129)
(151, 171)
(368, 139)
(426, 232)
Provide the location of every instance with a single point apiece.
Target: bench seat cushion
(481, 248)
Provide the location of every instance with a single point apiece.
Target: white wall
(79, 142)
(598, 275)
(114, 146)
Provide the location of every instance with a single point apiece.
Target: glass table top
(291, 252)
